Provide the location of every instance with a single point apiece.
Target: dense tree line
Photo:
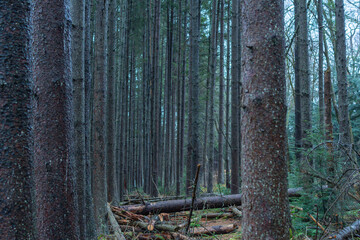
(103, 98)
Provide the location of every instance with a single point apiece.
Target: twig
(193, 196)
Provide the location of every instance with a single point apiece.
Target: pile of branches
(131, 225)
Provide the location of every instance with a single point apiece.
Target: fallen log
(161, 236)
(200, 203)
(348, 231)
(114, 224)
(157, 226)
(220, 229)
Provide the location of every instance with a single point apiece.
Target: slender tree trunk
(212, 92)
(344, 123)
(89, 203)
(264, 166)
(321, 66)
(193, 150)
(54, 162)
(221, 97)
(298, 127)
(183, 95)
(155, 93)
(227, 114)
(99, 116)
(78, 76)
(15, 121)
(331, 166)
(179, 114)
(235, 105)
(112, 193)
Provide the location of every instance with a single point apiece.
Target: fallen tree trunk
(114, 224)
(200, 203)
(348, 231)
(220, 229)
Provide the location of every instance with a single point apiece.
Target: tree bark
(15, 121)
(111, 169)
(193, 150)
(90, 227)
(344, 123)
(227, 114)
(321, 66)
(263, 126)
(54, 163)
(99, 116)
(235, 104)
(221, 97)
(78, 77)
(331, 166)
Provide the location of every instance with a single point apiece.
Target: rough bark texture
(221, 97)
(227, 114)
(263, 166)
(99, 116)
(77, 48)
(213, 51)
(89, 214)
(54, 164)
(193, 149)
(15, 121)
(304, 78)
(328, 124)
(111, 169)
(344, 124)
(235, 105)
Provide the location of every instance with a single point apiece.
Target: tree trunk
(227, 114)
(110, 116)
(54, 163)
(331, 166)
(213, 51)
(99, 116)
(221, 97)
(263, 125)
(155, 97)
(235, 105)
(344, 124)
(321, 66)
(89, 213)
(15, 121)
(193, 151)
(78, 76)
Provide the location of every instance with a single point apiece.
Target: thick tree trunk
(99, 116)
(78, 76)
(15, 121)
(263, 126)
(54, 163)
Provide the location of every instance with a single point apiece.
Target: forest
(180, 119)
